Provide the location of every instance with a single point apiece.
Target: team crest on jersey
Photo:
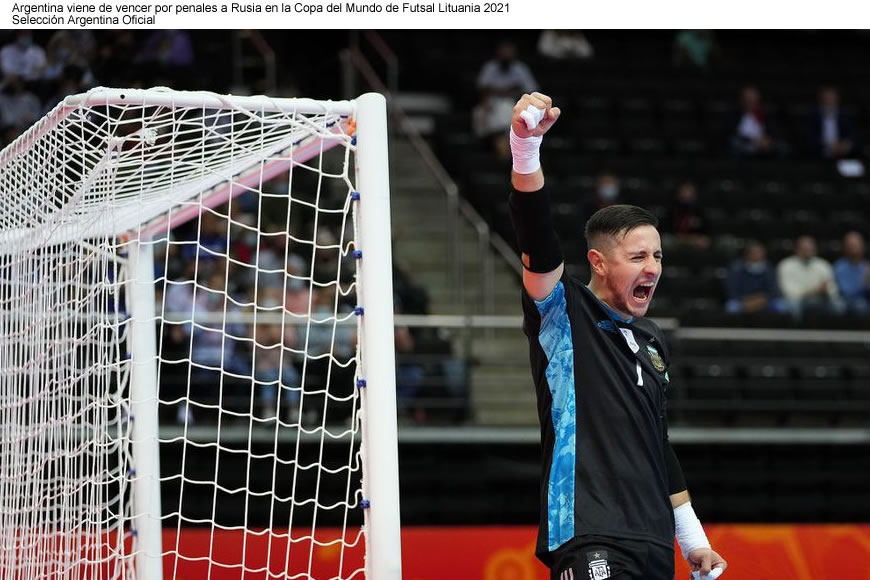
(656, 358)
(599, 569)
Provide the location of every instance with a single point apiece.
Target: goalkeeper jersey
(601, 387)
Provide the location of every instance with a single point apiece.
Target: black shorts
(606, 558)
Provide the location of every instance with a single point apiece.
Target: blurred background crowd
(750, 147)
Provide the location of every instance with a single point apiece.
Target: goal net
(196, 340)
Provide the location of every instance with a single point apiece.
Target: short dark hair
(614, 220)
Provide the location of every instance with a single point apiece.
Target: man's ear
(597, 261)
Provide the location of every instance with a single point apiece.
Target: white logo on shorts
(599, 570)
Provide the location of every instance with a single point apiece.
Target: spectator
(168, 49)
(564, 44)
(606, 194)
(500, 82)
(70, 81)
(751, 284)
(19, 108)
(114, 59)
(831, 132)
(22, 58)
(853, 274)
(686, 220)
(410, 376)
(752, 134)
(695, 48)
(69, 48)
(168, 58)
(275, 354)
(210, 239)
(807, 281)
(414, 298)
(329, 346)
(215, 345)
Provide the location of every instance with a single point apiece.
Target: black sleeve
(676, 479)
(536, 236)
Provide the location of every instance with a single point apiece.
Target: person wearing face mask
(606, 194)
(22, 58)
(686, 219)
(500, 81)
(807, 281)
(831, 131)
(751, 284)
(613, 495)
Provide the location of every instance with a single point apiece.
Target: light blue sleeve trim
(555, 339)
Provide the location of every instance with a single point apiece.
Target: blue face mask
(608, 192)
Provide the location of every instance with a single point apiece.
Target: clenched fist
(538, 101)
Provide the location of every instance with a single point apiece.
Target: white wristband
(690, 534)
(526, 153)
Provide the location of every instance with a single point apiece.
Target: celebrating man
(613, 494)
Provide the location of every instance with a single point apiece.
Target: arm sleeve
(536, 235)
(676, 479)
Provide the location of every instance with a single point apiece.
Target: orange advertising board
(757, 552)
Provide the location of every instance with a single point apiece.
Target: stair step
(506, 418)
(501, 350)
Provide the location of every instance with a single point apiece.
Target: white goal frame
(379, 442)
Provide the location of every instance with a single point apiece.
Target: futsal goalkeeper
(613, 495)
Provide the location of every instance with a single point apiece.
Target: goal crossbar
(124, 171)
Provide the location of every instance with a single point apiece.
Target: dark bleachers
(631, 112)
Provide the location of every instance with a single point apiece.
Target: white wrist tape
(690, 534)
(714, 573)
(526, 153)
(532, 116)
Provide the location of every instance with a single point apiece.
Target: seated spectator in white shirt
(807, 281)
(500, 82)
(564, 44)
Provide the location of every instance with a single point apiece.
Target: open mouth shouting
(642, 293)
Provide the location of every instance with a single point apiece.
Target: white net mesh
(246, 206)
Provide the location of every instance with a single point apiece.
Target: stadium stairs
(499, 377)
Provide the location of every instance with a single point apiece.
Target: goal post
(197, 367)
(144, 433)
(381, 479)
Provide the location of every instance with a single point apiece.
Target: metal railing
(457, 207)
(266, 57)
